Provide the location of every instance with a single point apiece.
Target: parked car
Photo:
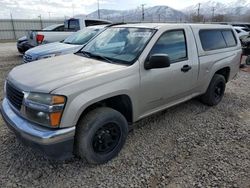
(246, 25)
(246, 42)
(242, 32)
(246, 48)
(23, 44)
(71, 44)
(83, 103)
(248, 60)
(72, 25)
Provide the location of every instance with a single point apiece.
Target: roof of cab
(159, 25)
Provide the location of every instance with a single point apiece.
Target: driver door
(162, 86)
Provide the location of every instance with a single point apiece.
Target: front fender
(78, 102)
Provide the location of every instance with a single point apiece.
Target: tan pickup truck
(82, 103)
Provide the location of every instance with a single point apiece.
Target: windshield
(81, 37)
(122, 45)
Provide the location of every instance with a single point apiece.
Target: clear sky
(60, 8)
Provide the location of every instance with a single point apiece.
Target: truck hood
(24, 38)
(52, 48)
(49, 74)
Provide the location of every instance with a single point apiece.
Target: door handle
(186, 68)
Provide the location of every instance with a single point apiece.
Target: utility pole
(73, 9)
(49, 14)
(213, 14)
(98, 9)
(13, 27)
(159, 17)
(142, 11)
(198, 17)
(199, 6)
(41, 22)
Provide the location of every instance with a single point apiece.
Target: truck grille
(27, 58)
(14, 96)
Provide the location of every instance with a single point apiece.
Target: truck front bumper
(53, 143)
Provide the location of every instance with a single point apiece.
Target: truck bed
(49, 36)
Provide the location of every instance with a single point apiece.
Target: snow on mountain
(234, 8)
(156, 13)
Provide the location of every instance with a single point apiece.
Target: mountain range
(156, 13)
(235, 10)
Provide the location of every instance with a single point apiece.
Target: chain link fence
(12, 29)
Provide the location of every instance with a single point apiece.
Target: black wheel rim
(106, 138)
(218, 91)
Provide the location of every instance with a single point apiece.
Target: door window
(173, 44)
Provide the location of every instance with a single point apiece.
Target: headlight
(44, 109)
(48, 56)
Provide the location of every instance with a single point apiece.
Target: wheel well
(224, 72)
(121, 103)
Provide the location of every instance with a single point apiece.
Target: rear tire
(215, 91)
(100, 135)
(21, 51)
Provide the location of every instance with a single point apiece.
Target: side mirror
(157, 61)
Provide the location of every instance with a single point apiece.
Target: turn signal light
(55, 118)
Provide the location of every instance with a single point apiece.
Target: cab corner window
(74, 25)
(212, 40)
(229, 38)
(173, 44)
(217, 39)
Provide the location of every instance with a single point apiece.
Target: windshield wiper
(67, 43)
(103, 58)
(89, 54)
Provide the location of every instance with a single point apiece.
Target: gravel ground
(189, 145)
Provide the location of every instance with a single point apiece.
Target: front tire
(100, 135)
(215, 91)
